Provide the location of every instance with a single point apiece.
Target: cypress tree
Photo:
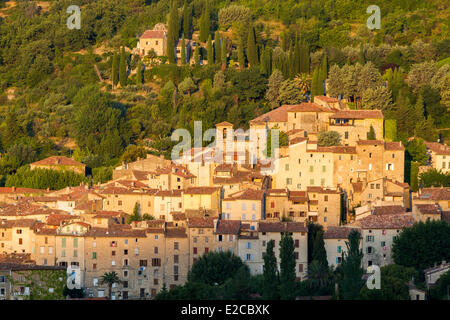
(123, 68)
(115, 70)
(174, 23)
(210, 53)
(183, 51)
(187, 10)
(271, 280)
(139, 75)
(252, 51)
(223, 53)
(351, 283)
(240, 54)
(315, 84)
(205, 23)
(297, 58)
(170, 49)
(13, 130)
(371, 134)
(319, 252)
(217, 48)
(361, 57)
(287, 268)
(197, 54)
(324, 68)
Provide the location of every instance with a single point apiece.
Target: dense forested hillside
(53, 100)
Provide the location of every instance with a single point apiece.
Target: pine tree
(271, 279)
(115, 70)
(252, 51)
(187, 11)
(183, 51)
(217, 48)
(223, 53)
(273, 88)
(123, 68)
(419, 110)
(139, 74)
(240, 54)
(287, 268)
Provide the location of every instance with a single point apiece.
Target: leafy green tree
(187, 85)
(249, 84)
(123, 68)
(329, 138)
(229, 15)
(238, 286)
(417, 151)
(421, 74)
(432, 237)
(215, 267)
(377, 99)
(13, 130)
(102, 174)
(434, 178)
(290, 93)
(394, 284)
(273, 89)
(440, 290)
(287, 268)
(136, 216)
(133, 153)
(109, 278)
(351, 283)
(271, 277)
(390, 130)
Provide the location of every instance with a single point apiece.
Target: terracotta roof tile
(338, 232)
(438, 148)
(282, 227)
(153, 34)
(387, 221)
(434, 194)
(428, 208)
(382, 210)
(200, 222)
(228, 227)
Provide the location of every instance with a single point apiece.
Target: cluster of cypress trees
(119, 68)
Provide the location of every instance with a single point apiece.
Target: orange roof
(20, 190)
(277, 115)
(57, 161)
(438, 148)
(224, 124)
(153, 34)
(282, 227)
(387, 221)
(308, 107)
(326, 99)
(394, 146)
(201, 190)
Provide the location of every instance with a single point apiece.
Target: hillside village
(90, 189)
(202, 206)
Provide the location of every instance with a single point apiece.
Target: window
(175, 245)
(253, 216)
(94, 266)
(136, 251)
(244, 207)
(156, 262)
(175, 258)
(194, 239)
(249, 245)
(311, 168)
(63, 253)
(288, 181)
(63, 242)
(378, 186)
(297, 243)
(325, 198)
(94, 255)
(75, 253)
(142, 263)
(125, 262)
(20, 241)
(253, 206)
(125, 285)
(194, 250)
(113, 263)
(338, 260)
(156, 237)
(286, 167)
(50, 250)
(369, 250)
(244, 217)
(324, 168)
(113, 253)
(155, 250)
(300, 267)
(95, 282)
(296, 255)
(383, 243)
(370, 238)
(42, 250)
(206, 250)
(346, 134)
(120, 202)
(125, 252)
